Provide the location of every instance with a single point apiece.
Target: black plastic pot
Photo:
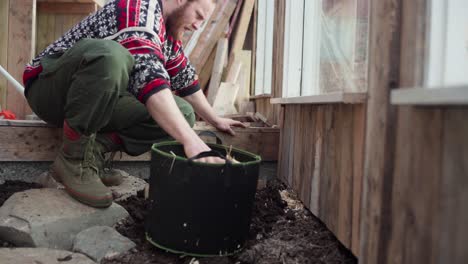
(200, 209)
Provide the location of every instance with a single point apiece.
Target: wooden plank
(454, 185)
(383, 63)
(359, 132)
(240, 33)
(234, 18)
(328, 188)
(205, 73)
(278, 52)
(19, 36)
(36, 141)
(233, 73)
(66, 8)
(4, 6)
(212, 33)
(417, 166)
(245, 57)
(224, 101)
(218, 68)
(337, 97)
(314, 202)
(307, 152)
(345, 170)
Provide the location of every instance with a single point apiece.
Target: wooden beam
(224, 101)
(27, 140)
(241, 30)
(242, 99)
(212, 33)
(218, 69)
(205, 73)
(383, 65)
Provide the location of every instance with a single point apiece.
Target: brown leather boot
(77, 168)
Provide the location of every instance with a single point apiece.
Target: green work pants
(87, 86)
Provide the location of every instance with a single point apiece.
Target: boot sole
(92, 201)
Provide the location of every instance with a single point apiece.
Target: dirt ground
(282, 231)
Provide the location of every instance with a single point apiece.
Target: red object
(69, 132)
(7, 115)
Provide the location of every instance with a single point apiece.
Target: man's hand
(225, 125)
(196, 147)
(204, 109)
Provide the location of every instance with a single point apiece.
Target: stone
(101, 242)
(47, 181)
(41, 255)
(51, 218)
(129, 187)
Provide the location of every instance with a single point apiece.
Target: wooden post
(384, 54)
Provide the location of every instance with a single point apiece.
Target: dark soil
(280, 233)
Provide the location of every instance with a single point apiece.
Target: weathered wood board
(36, 141)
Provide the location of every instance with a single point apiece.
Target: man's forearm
(202, 107)
(164, 110)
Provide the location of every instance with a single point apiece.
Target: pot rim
(256, 158)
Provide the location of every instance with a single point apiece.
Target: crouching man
(115, 82)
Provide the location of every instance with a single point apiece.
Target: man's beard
(174, 23)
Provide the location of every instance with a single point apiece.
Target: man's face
(189, 17)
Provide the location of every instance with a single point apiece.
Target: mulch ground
(281, 232)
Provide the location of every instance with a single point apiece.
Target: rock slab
(50, 218)
(101, 242)
(130, 186)
(41, 255)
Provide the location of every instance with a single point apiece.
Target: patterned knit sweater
(138, 25)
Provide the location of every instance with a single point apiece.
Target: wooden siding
(390, 181)
(321, 158)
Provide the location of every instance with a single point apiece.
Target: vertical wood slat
(345, 171)
(317, 145)
(358, 140)
(4, 8)
(415, 188)
(20, 32)
(454, 185)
